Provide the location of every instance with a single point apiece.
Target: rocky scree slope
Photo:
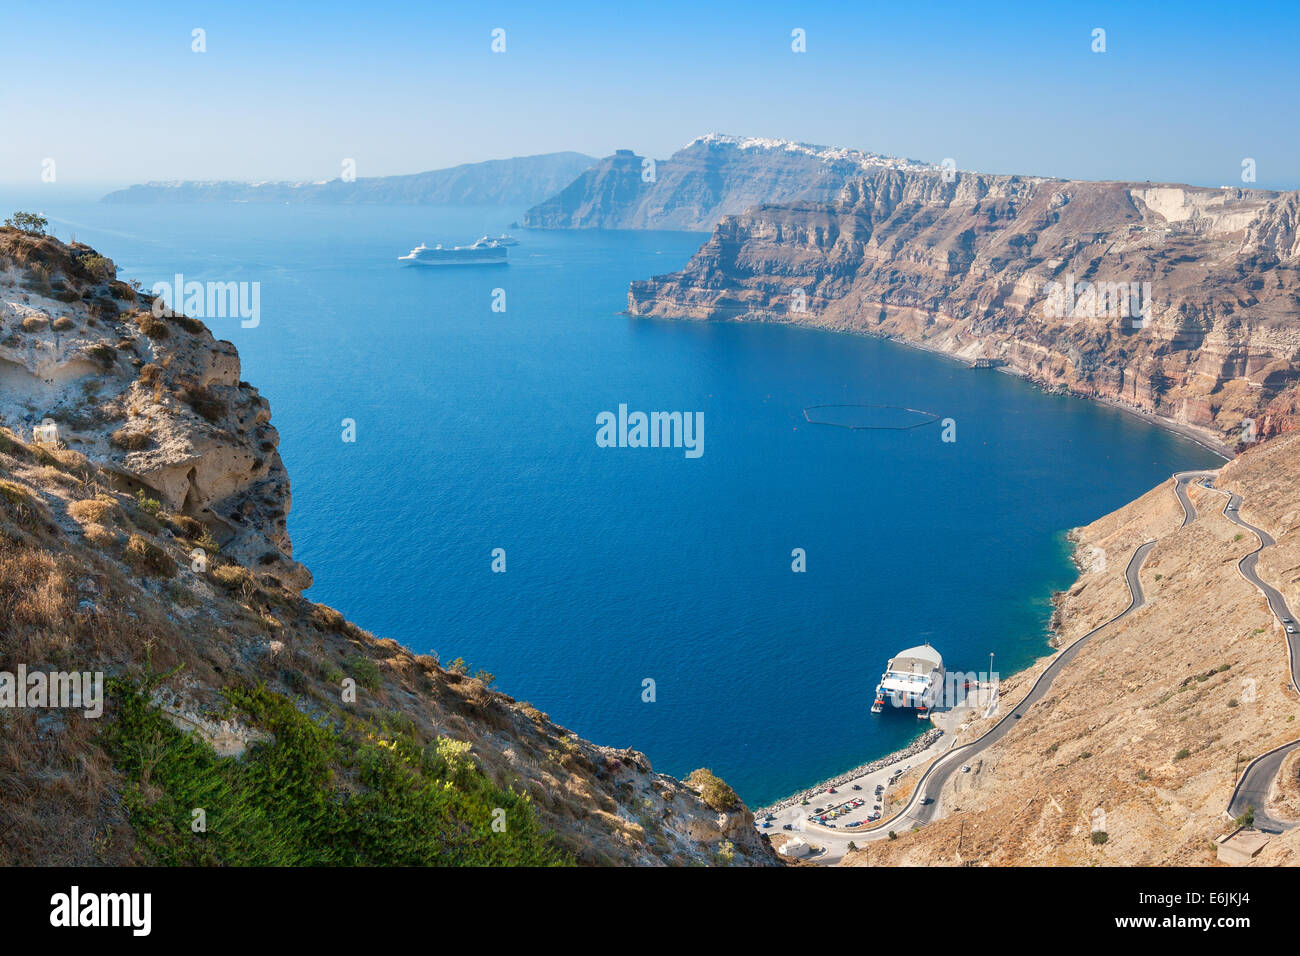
(226, 684)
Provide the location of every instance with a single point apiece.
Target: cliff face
(156, 403)
(1179, 301)
(1144, 733)
(505, 182)
(302, 738)
(709, 178)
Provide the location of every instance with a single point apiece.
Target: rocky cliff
(708, 178)
(499, 182)
(142, 536)
(1178, 301)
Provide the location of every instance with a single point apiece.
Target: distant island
(521, 181)
(710, 177)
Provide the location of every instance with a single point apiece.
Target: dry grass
(130, 439)
(148, 558)
(93, 510)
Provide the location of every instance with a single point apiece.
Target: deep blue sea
(476, 430)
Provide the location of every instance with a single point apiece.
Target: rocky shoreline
(911, 750)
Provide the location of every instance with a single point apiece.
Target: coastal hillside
(708, 178)
(521, 181)
(1178, 301)
(143, 536)
(1143, 735)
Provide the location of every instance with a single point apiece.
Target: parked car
(788, 826)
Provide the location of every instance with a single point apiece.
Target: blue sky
(1184, 92)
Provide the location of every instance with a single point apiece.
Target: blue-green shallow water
(476, 430)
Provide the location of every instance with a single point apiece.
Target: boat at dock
(913, 678)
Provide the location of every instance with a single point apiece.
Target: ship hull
(411, 261)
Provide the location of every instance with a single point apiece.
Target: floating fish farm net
(869, 417)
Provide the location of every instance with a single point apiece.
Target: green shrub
(317, 795)
(363, 670)
(28, 222)
(716, 794)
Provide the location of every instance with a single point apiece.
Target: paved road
(924, 805)
(1253, 787)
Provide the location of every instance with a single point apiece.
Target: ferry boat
(912, 678)
(484, 252)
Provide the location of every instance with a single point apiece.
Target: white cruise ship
(484, 252)
(913, 678)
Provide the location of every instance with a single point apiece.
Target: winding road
(924, 804)
(1253, 787)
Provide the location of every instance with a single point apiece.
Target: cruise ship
(913, 678)
(484, 252)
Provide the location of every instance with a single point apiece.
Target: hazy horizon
(1178, 95)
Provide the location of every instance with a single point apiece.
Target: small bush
(185, 526)
(35, 323)
(130, 439)
(716, 794)
(90, 511)
(205, 403)
(233, 576)
(1099, 837)
(99, 267)
(327, 619)
(192, 326)
(152, 327)
(103, 355)
(1182, 754)
(150, 506)
(23, 505)
(28, 222)
(146, 557)
(364, 670)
